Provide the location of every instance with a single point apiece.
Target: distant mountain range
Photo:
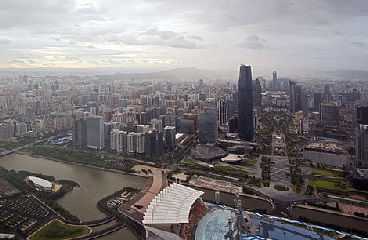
(178, 73)
(181, 74)
(125, 73)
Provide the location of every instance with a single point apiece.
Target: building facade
(245, 104)
(95, 133)
(362, 146)
(329, 114)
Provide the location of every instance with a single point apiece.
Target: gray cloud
(154, 36)
(5, 41)
(91, 47)
(17, 61)
(168, 38)
(359, 44)
(253, 42)
(197, 38)
(165, 35)
(115, 31)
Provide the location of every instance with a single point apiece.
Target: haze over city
(160, 35)
(157, 119)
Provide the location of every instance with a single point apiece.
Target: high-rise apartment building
(153, 144)
(208, 131)
(108, 127)
(222, 108)
(362, 146)
(6, 130)
(80, 133)
(317, 99)
(95, 133)
(329, 114)
(362, 115)
(245, 104)
(169, 136)
(295, 97)
(257, 94)
(304, 101)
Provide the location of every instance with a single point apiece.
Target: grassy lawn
(328, 173)
(248, 162)
(228, 170)
(57, 230)
(343, 186)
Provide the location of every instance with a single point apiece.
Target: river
(94, 184)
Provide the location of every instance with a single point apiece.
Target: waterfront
(97, 183)
(94, 183)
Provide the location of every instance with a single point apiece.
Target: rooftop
(172, 205)
(40, 182)
(331, 147)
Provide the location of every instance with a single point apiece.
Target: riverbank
(330, 218)
(96, 184)
(56, 229)
(262, 204)
(81, 164)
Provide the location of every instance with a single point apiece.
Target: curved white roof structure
(172, 205)
(40, 182)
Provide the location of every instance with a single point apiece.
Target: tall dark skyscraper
(245, 103)
(362, 115)
(274, 80)
(295, 97)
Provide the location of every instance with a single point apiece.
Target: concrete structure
(139, 143)
(257, 94)
(295, 97)
(362, 146)
(131, 143)
(95, 133)
(6, 130)
(170, 119)
(274, 80)
(80, 133)
(326, 153)
(304, 101)
(156, 124)
(153, 144)
(20, 128)
(187, 126)
(208, 131)
(108, 127)
(222, 109)
(317, 99)
(361, 115)
(169, 136)
(329, 114)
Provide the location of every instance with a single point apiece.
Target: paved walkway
(155, 183)
(152, 192)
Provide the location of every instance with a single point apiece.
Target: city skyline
(281, 35)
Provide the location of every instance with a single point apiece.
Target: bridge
(104, 232)
(92, 223)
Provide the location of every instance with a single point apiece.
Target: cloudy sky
(165, 34)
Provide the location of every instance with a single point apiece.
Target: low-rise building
(40, 183)
(326, 153)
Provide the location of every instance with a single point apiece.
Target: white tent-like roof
(172, 205)
(40, 182)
